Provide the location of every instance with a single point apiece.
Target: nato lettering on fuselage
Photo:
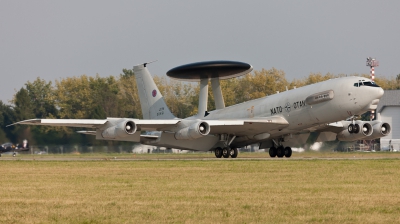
(299, 104)
(276, 110)
(296, 105)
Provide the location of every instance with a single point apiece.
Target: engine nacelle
(360, 131)
(122, 129)
(381, 129)
(194, 131)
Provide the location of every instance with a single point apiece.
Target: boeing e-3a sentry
(276, 122)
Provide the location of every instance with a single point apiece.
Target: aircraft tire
(233, 152)
(225, 152)
(288, 152)
(272, 151)
(280, 152)
(350, 128)
(356, 128)
(218, 152)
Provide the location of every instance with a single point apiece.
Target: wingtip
(30, 121)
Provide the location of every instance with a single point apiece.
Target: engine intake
(359, 130)
(194, 131)
(380, 129)
(122, 129)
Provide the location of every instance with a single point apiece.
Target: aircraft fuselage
(304, 108)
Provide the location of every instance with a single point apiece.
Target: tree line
(86, 97)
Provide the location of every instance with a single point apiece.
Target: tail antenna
(145, 64)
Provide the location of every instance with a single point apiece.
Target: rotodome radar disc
(210, 69)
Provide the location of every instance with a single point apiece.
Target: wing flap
(248, 126)
(156, 125)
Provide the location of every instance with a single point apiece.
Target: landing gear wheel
(288, 152)
(14, 154)
(356, 128)
(272, 151)
(233, 152)
(225, 152)
(350, 128)
(218, 152)
(280, 152)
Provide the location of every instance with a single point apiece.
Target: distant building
(389, 111)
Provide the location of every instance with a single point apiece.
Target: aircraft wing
(250, 126)
(82, 123)
(147, 125)
(247, 126)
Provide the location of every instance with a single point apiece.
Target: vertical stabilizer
(151, 100)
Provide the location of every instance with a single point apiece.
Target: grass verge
(216, 191)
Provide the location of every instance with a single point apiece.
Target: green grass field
(201, 191)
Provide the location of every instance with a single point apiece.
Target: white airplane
(276, 122)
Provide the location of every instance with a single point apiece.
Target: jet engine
(194, 131)
(356, 131)
(122, 129)
(380, 129)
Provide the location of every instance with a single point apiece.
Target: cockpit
(365, 83)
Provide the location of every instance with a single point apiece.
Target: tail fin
(151, 100)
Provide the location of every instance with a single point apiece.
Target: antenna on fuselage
(213, 71)
(372, 63)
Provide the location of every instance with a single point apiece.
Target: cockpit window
(373, 84)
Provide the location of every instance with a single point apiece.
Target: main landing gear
(353, 128)
(280, 152)
(226, 152)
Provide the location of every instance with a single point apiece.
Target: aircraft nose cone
(380, 93)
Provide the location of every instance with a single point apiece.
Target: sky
(58, 39)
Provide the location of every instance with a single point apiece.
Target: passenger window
(356, 84)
